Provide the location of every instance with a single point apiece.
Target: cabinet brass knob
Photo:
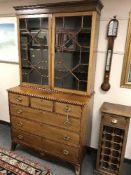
(19, 124)
(114, 121)
(20, 137)
(67, 108)
(66, 152)
(66, 138)
(18, 99)
(19, 111)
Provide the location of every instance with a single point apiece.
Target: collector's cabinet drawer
(114, 120)
(19, 99)
(64, 108)
(47, 131)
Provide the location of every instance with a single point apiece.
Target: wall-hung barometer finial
(112, 31)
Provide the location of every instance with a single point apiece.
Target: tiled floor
(57, 167)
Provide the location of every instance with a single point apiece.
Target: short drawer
(42, 104)
(46, 131)
(64, 108)
(114, 120)
(50, 118)
(60, 150)
(27, 139)
(19, 99)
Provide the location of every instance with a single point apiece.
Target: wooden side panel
(124, 146)
(86, 126)
(99, 144)
(93, 50)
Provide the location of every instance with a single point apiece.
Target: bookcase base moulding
(51, 109)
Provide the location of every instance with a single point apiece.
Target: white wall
(9, 77)
(9, 73)
(116, 94)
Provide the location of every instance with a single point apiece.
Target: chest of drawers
(43, 121)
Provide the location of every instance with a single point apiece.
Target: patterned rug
(12, 164)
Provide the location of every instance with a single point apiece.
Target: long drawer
(50, 132)
(44, 145)
(45, 117)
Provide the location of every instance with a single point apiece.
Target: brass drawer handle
(67, 123)
(66, 138)
(18, 99)
(67, 108)
(19, 111)
(20, 137)
(66, 152)
(19, 124)
(114, 121)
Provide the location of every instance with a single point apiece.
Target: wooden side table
(115, 120)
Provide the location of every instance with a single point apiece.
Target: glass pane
(33, 23)
(34, 50)
(23, 24)
(44, 23)
(72, 47)
(87, 22)
(73, 23)
(25, 39)
(40, 37)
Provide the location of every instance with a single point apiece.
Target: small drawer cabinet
(113, 136)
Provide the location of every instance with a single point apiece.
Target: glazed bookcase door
(72, 51)
(34, 49)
